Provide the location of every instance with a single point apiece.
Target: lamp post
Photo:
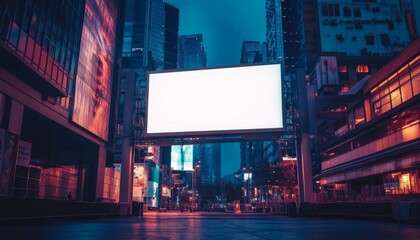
(194, 175)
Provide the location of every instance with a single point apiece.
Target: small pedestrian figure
(69, 196)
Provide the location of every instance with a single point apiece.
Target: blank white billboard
(244, 99)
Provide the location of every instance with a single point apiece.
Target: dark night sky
(225, 24)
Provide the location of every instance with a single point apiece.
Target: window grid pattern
(45, 35)
(399, 87)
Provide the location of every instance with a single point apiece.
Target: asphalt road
(175, 225)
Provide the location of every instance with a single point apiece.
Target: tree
(232, 192)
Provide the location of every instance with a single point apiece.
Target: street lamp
(196, 165)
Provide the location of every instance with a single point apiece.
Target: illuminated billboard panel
(215, 101)
(182, 157)
(92, 95)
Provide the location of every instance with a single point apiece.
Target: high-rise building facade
(292, 34)
(209, 156)
(157, 33)
(374, 154)
(56, 93)
(191, 53)
(357, 38)
(284, 43)
(150, 29)
(143, 50)
(171, 36)
(274, 33)
(349, 45)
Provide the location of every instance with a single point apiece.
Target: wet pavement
(175, 225)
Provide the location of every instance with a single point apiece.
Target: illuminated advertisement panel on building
(140, 177)
(92, 95)
(182, 157)
(326, 71)
(152, 194)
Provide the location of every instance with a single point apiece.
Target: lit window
(343, 69)
(359, 115)
(362, 68)
(405, 185)
(345, 89)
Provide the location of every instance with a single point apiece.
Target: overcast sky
(225, 24)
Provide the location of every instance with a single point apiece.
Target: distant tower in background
(254, 52)
(251, 52)
(209, 156)
(171, 36)
(191, 53)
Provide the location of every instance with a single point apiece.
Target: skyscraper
(171, 36)
(284, 46)
(274, 32)
(292, 34)
(157, 33)
(209, 156)
(191, 53)
(144, 49)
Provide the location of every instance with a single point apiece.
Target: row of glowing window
(359, 69)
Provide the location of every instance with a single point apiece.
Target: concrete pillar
(100, 175)
(305, 160)
(16, 117)
(15, 127)
(126, 183)
(306, 169)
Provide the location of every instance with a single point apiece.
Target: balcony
(409, 133)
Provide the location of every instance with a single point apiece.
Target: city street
(175, 225)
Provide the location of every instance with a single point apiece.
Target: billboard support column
(305, 160)
(306, 169)
(126, 184)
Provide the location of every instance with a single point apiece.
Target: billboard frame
(215, 133)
